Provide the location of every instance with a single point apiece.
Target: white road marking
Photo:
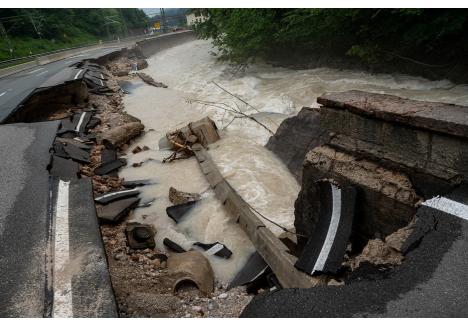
(42, 72)
(332, 229)
(213, 250)
(62, 305)
(102, 77)
(35, 70)
(3, 94)
(102, 84)
(448, 206)
(78, 73)
(78, 126)
(114, 193)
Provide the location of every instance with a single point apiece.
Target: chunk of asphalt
(81, 120)
(253, 268)
(326, 247)
(109, 167)
(73, 142)
(173, 246)
(137, 183)
(147, 203)
(116, 195)
(108, 155)
(115, 211)
(63, 168)
(67, 125)
(93, 122)
(76, 153)
(140, 236)
(177, 212)
(59, 150)
(217, 249)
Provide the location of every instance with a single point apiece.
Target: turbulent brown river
(261, 179)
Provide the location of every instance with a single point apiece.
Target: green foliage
(41, 30)
(369, 35)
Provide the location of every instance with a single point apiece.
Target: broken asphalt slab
(253, 268)
(116, 195)
(33, 223)
(63, 168)
(431, 282)
(326, 247)
(216, 249)
(115, 211)
(177, 212)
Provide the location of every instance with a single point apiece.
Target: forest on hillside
(430, 39)
(31, 31)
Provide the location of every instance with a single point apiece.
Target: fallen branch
(225, 107)
(240, 99)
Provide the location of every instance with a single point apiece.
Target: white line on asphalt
(102, 77)
(35, 70)
(115, 193)
(448, 206)
(62, 305)
(213, 250)
(42, 72)
(78, 73)
(101, 82)
(78, 126)
(3, 94)
(332, 229)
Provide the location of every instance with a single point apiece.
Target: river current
(261, 179)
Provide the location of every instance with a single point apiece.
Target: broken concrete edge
(434, 116)
(273, 251)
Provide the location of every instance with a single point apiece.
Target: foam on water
(260, 178)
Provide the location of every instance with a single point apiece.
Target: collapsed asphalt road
(53, 262)
(14, 89)
(431, 282)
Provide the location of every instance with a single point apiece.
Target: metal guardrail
(7, 63)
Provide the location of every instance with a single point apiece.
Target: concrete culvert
(191, 267)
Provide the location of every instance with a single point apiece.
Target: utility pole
(34, 25)
(5, 35)
(124, 23)
(106, 24)
(163, 20)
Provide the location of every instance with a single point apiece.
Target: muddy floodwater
(260, 178)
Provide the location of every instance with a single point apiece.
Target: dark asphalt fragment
(217, 249)
(136, 183)
(173, 246)
(147, 203)
(63, 168)
(116, 195)
(114, 212)
(253, 268)
(326, 247)
(177, 212)
(107, 168)
(76, 153)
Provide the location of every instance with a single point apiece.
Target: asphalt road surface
(431, 282)
(51, 255)
(14, 89)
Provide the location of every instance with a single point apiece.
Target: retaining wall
(151, 46)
